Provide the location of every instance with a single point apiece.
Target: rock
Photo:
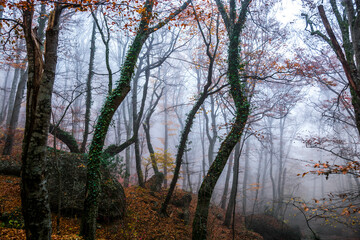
(72, 187)
(271, 228)
(155, 182)
(9, 167)
(184, 202)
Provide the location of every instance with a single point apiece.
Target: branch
(337, 48)
(224, 15)
(170, 17)
(65, 137)
(112, 150)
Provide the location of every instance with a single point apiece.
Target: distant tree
(88, 88)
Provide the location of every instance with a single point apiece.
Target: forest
(188, 119)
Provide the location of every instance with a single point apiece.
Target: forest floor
(142, 220)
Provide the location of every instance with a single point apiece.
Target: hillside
(142, 220)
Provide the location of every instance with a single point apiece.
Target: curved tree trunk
(112, 102)
(237, 90)
(88, 225)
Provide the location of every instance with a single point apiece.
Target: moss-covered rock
(72, 171)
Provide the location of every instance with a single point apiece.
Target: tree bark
(41, 76)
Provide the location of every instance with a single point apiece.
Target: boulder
(71, 188)
(155, 182)
(271, 228)
(183, 202)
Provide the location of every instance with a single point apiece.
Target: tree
(41, 76)
(348, 53)
(146, 126)
(88, 88)
(112, 102)
(13, 115)
(211, 53)
(234, 25)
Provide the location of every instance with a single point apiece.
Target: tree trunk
(9, 141)
(182, 146)
(280, 183)
(128, 128)
(212, 139)
(112, 102)
(235, 182)
(245, 180)
(88, 89)
(188, 174)
(263, 182)
(146, 127)
(166, 137)
(136, 126)
(258, 175)
(34, 195)
(237, 92)
(88, 225)
(12, 94)
(3, 105)
(271, 172)
(227, 180)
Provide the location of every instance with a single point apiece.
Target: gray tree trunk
(235, 182)
(4, 101)
(88, 89)
(34, 195)
(9, 141)
(12, 94)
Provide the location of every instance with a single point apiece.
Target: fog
(301, 112)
